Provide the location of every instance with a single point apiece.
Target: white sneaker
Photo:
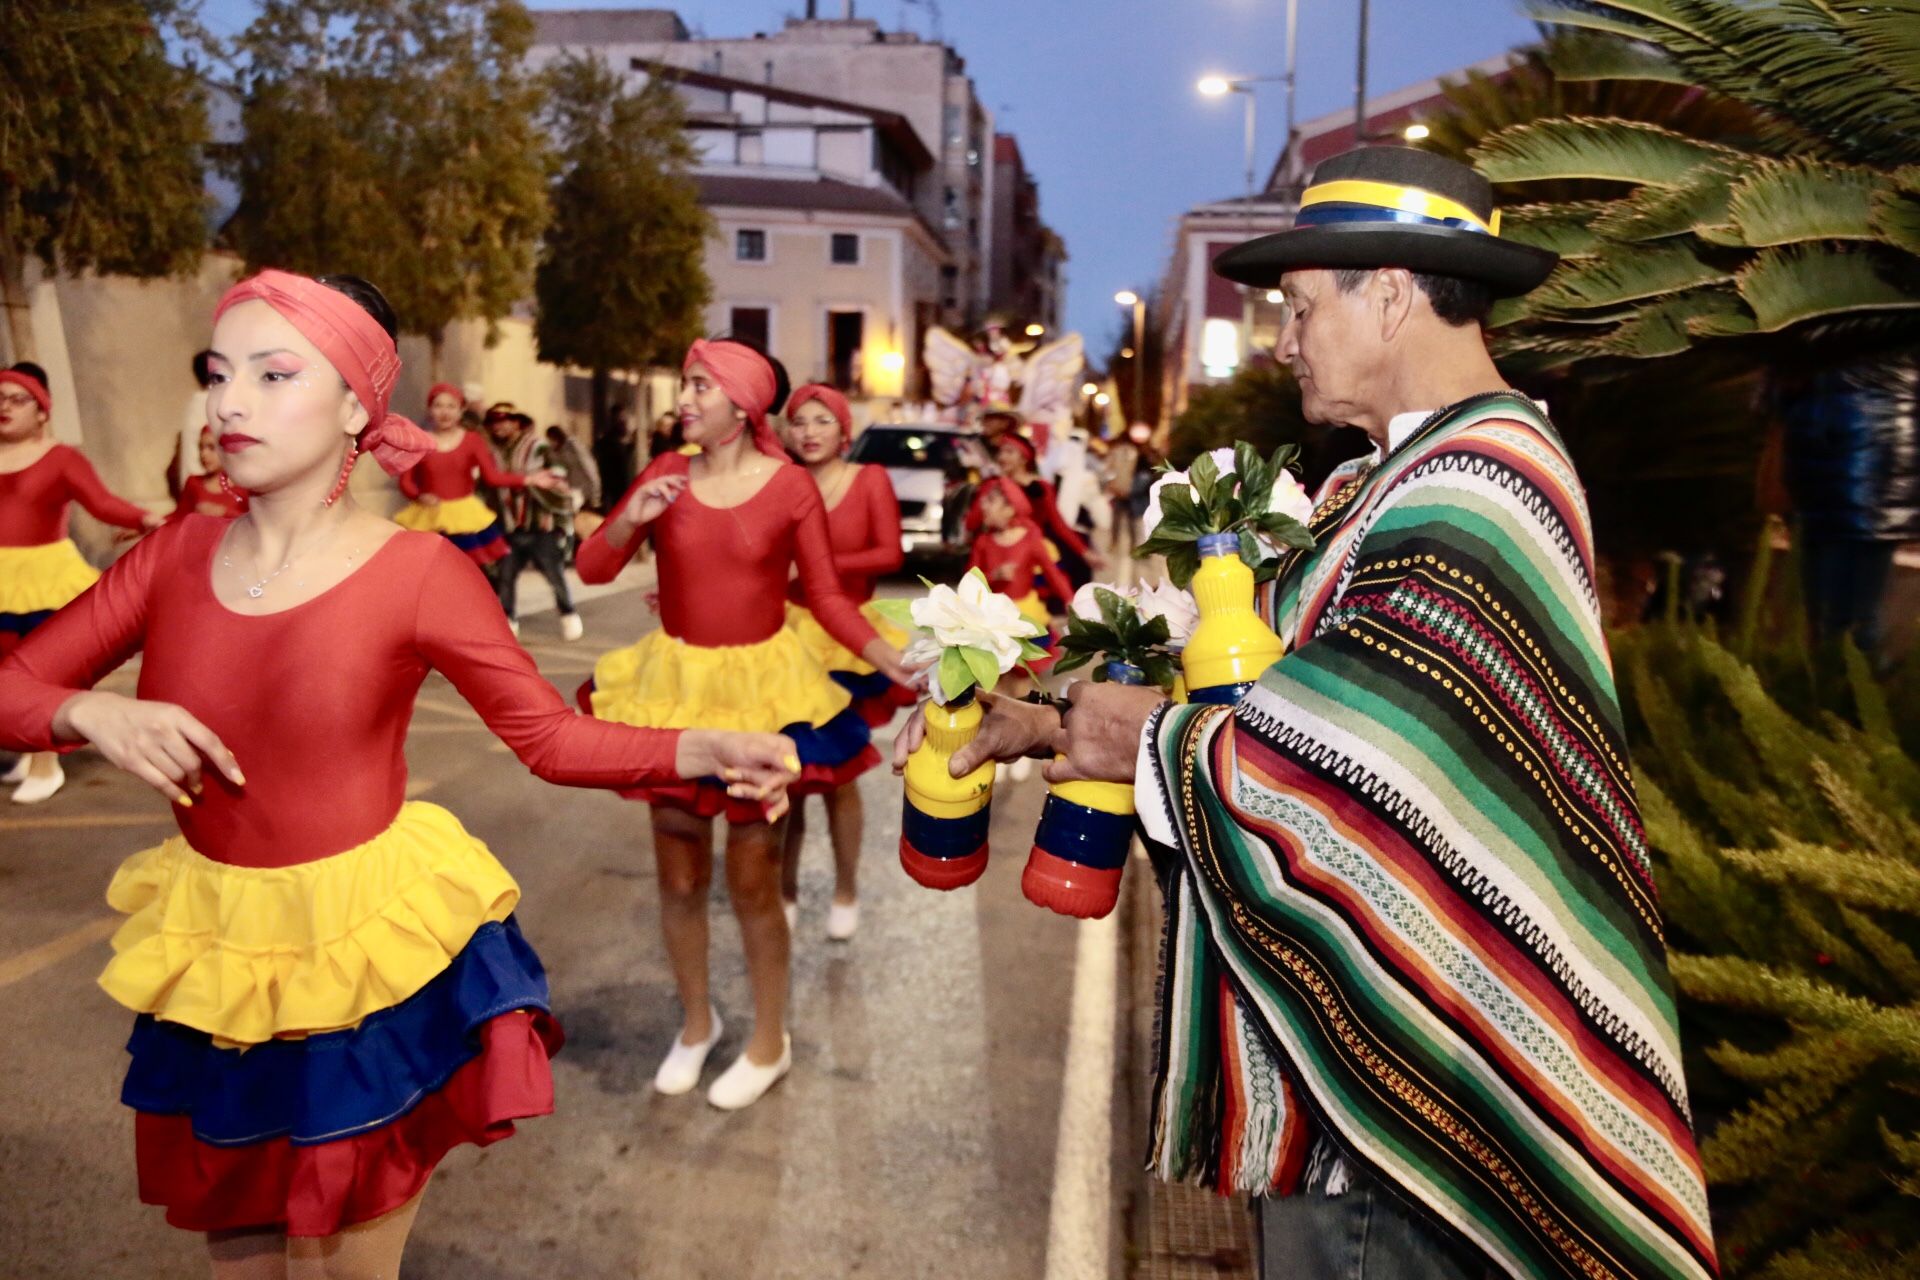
(513, 625)
(842, 921)
(17, 774)
(40, 786)
(680, 1069)
(746, 1082)
(571, 628)
(790, 909)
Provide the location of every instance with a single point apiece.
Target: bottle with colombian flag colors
(1231, 647)
(1080, 847)
(944, 820)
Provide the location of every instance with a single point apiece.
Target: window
(845, 249)
(750, 245)
(755, 323)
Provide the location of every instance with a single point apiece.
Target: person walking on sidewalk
(1415, 995)
(538, 522)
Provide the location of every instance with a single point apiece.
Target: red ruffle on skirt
(710, 799)
(318, 1189)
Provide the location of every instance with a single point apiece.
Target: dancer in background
(209, 492)
(863, 527)
(1015, 454)
(40, 568)
(441, 487)
(1013, 555)
(331, 988)
(538, 520)
(728, 527)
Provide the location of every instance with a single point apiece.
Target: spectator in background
(1852, 458)
(1117, 471)
(666, 437)
(613, 448)
(187, 458)
(539, 522)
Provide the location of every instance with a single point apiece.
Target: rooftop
(606, 26)
(890, 123)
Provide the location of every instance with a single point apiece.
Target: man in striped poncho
(1415, 993)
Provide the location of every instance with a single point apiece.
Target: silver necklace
(258, 589)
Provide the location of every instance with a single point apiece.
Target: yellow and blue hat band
(1356, 200)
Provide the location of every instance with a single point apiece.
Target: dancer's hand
(1103, 732)
(545, 480)
(1009, 729)
(893, 665)
(652, 499)
(157, 742)
(428, 500)
(755, 766)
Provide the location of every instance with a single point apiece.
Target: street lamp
(1415, 132)
(1128, 298)
(1035, 330)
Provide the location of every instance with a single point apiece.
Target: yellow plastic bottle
(944, 819)
(1231, 647)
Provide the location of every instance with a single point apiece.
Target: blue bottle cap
(1125, 673)
(1219, 544)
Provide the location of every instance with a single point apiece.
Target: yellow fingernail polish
(184, 800)
(793, 763)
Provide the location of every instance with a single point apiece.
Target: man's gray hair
(1456, 300)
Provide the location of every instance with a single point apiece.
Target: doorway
(846, 334)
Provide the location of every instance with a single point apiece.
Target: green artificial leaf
(1031, 651)
(1287, 531)
(1178, 510)
(1113, 609)
(1182, 563)
(1153, 632)
(897, 611)
(1204, 476)
(955, 675)
(1074, 661)
(1161, 545)
(1283, 458)
(1161, 671)
(1099, 673)
(1266, 572)
(1251, 551)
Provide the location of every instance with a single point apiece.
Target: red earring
(346, 474)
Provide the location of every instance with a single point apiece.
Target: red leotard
(1046, 512)
(34, 501)
(1010, 569)
(196, 491)
(723, 570)
(314, 701)
(864, 528)
(448, 474)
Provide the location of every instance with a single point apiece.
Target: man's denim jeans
(1365, 1233)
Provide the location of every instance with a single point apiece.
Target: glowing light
(1088, 389)
(892, 361)
(1127, 298)
(1035, 330)
(1214, 86)
(1274, 295)
(1415, 132)
(1220, 347)
(1103, 399)
(1126, 353)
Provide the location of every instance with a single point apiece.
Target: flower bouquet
(1222, 525)
(971, 636)
(1086, 828)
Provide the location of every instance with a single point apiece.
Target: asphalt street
(916, 1135)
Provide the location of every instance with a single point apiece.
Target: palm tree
(1810, 224)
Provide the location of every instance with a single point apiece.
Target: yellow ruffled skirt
(247, 954)
(665, 683)
(449, 516)
(830, 653)
(42, 578)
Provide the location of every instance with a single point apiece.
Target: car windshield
(905, 447)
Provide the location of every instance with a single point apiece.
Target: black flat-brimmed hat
(1394, 207)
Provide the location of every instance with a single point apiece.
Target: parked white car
(929, 466)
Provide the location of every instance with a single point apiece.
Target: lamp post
(1128, 298)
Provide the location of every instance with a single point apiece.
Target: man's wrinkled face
(1331, 343)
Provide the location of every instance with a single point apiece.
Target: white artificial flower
(1086, 605)
(1287, 497)
(1291, 498)
(975, 615)
(1164, 600)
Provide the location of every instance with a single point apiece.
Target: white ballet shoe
(791, 910)
(40, 786)
(680, 1069)
(15, 775)
(513, 625)
(842, 921)
(746, 1082)
(571, 628)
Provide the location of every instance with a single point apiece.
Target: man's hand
(1103, 732)
(1009, 730)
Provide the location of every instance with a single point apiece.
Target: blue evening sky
(1100, 94)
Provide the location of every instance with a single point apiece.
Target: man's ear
(1393, 300)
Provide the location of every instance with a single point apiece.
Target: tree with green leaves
(622, 280)
(101, 135)
(1810, 226)
(397, 140)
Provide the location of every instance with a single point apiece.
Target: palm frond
(1601, 56)
(1565, 229)
(1896, 210)
(1888, 32)
(1673, 324)
(1589, 147)
(1794, 283)
(1643, 271)
(1654, 213)
(1782, 202)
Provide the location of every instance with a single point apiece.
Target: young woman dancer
(330, 986)
(1013, 555)
(441, 488)
(863, 526)
(40, 568)
(210, 493)
(728, 527)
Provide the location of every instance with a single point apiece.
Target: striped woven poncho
(1411, 910)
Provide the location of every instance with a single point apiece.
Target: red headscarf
(355, 344)
(835, 403)
(439, 389)
(1020, 442)
(749, 382)
(34, 387)
(1022, 508)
